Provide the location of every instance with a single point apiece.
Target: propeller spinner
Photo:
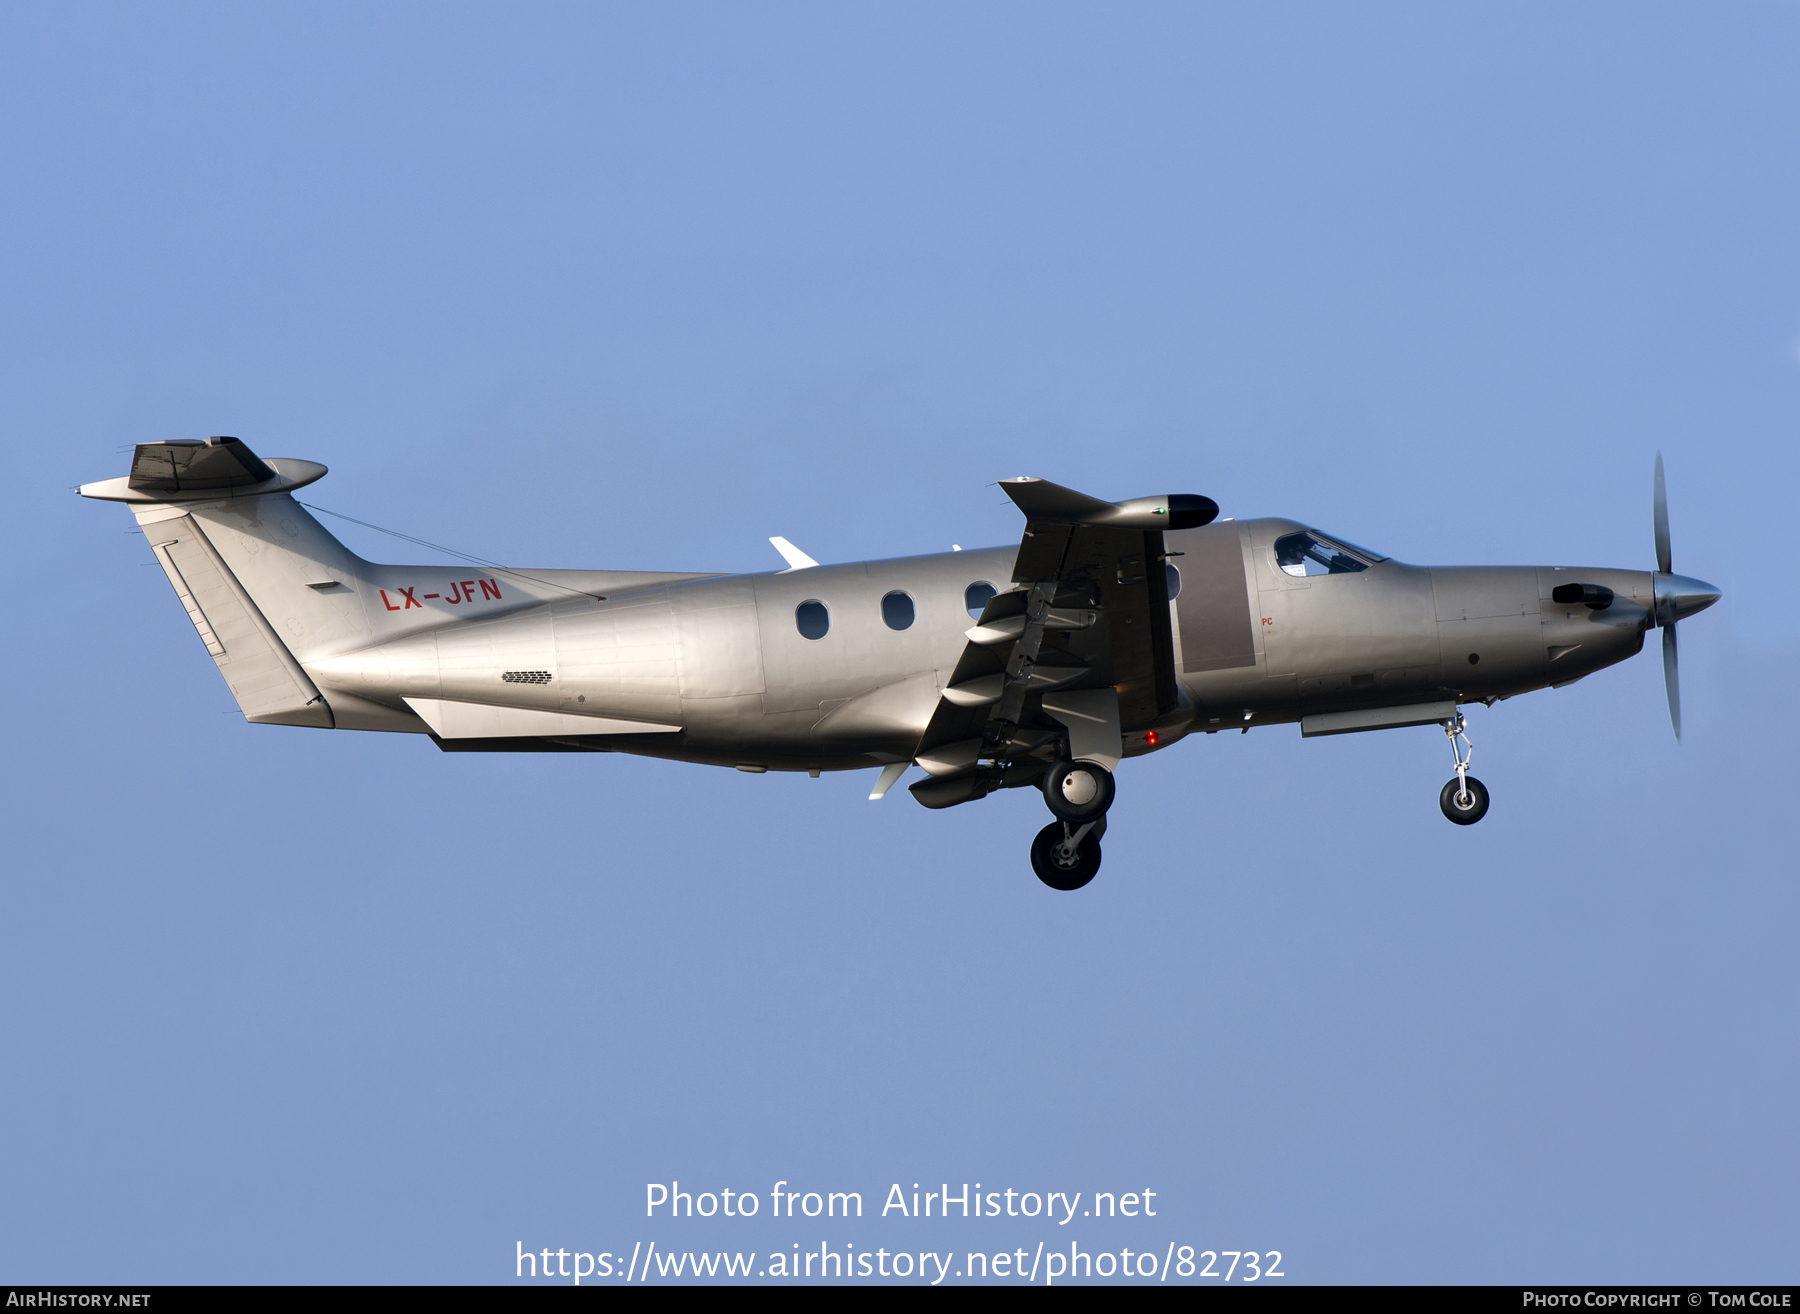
(1677, 597)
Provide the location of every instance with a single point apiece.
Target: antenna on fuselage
(796, 559)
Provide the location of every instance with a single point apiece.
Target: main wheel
(1078, 792)
(1467, 809)
(1061, 873)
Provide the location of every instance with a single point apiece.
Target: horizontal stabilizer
(189, 470)
(191, 466)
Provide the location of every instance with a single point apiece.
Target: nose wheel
(1066, 857)
(1463, 800)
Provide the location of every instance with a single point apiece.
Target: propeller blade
(1660, 513)
(1671, 678)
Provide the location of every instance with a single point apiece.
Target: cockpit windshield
(1311, 553)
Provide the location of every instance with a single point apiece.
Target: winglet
(796, 559)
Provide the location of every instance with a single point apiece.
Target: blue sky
(639, 286)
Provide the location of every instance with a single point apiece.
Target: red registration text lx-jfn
(461, 591)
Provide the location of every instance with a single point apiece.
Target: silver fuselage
(722, 657)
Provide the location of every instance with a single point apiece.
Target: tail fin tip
(193, 469)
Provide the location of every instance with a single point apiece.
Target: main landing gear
(1066, 857)
(1465, 799)
(1066, 853)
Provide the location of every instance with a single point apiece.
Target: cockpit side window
(1309, 553)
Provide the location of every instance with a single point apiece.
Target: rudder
(262, 674)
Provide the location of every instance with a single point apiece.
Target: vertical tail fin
(304, 631)
(265, 585)
(301, 578)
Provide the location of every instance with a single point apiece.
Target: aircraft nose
(1678, 597)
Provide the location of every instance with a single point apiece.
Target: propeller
(1672, 679)
(1659, 516)
(1675, 596)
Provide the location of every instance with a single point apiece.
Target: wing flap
(1087, 623)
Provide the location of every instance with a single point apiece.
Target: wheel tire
(1078, 792)
(1475, 809)
(1050, 870)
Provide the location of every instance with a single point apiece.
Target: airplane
(1110, 631)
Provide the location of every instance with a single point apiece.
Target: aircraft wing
(1080, 649)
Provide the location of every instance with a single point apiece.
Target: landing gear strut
(1464, 800)
(1066, 853)
(1066, 857)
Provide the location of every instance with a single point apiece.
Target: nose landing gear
(1066, 853)
(1465, 799)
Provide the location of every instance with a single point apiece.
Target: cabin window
(1308, 553)
(976, 596)
(1174, 580)
(897, 610)
(812, 619)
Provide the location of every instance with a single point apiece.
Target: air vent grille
(526, 677)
